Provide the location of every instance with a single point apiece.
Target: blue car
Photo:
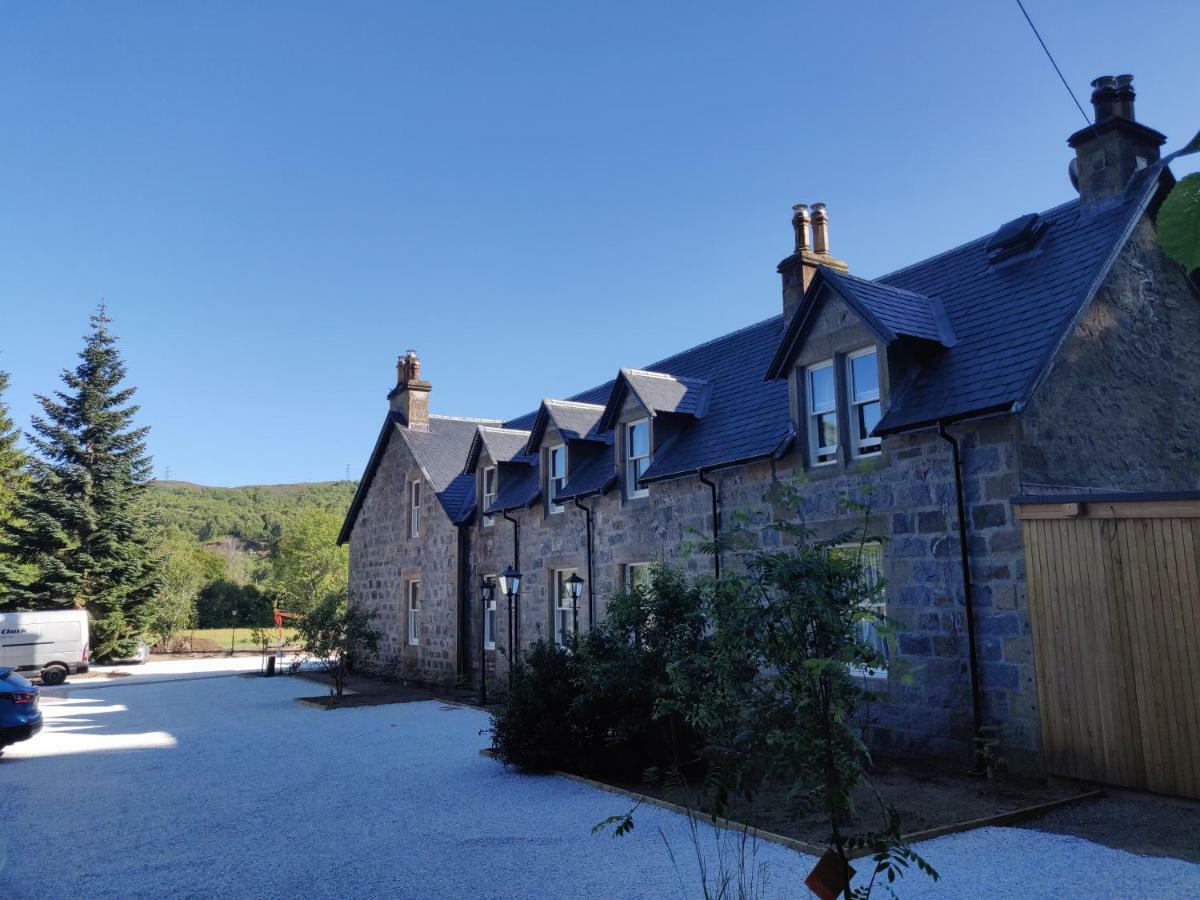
(20, 718)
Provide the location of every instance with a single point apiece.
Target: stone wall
(1117, 408)
(909, 494)
(383, 559)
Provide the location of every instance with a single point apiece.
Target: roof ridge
(665, 375)
(501, 428)
(921, 262)
(573, 403)
(877, 283)
(465, 419)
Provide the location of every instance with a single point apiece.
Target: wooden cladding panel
(1115, 608)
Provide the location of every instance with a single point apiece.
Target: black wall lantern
(510, 587)
(487, 592)
(575, 591)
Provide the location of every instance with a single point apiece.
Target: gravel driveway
(223, 786)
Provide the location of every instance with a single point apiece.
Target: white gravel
(223, 786)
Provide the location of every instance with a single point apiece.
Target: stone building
(1058, 352)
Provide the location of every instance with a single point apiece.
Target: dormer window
(637, 456)
(556, 475)
(862, 385)
(822, 413)
(489, 493)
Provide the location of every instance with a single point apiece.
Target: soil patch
(368, 691)
(926, 797)
(1146, 824)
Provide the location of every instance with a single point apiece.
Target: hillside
(254, 515)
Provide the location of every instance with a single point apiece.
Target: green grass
(239, 636)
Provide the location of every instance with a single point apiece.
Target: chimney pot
(411, 395)
(800, 223)
(811, 225)
(1111, 150)
(1104, 97)
(820, 229)
(1124, 95)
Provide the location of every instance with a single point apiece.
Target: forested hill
(257, 514)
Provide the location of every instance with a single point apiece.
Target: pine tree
(81, 523)
(12, 476)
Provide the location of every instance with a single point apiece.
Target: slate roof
(595, 476)
(746, 418)
(520, 487)
(658, 392)
(1006, 320)
(891, 311)
(439, 452)
(458, 499)
(502, 445)
(573, 420)
(1008, 317)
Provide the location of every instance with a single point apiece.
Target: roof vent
(1015, 237)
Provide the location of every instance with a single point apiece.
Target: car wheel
(52, 675)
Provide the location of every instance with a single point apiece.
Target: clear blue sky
(278, 198)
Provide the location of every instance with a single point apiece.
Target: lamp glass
(575, 585)
(510, 582)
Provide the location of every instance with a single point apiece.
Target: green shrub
(606, 706)
(534, 730)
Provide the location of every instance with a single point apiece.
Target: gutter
(591, 581)
(716, 516)
(965, 559)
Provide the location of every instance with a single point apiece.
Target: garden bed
(373, 691)
(927, 797)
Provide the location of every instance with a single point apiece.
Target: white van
(53, 643)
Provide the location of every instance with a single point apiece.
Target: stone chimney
(1113, 148)
(811, 250)
(410, 396)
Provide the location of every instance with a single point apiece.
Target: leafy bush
(218, 600)
(333, 632)
(595, 708)
(535, 730)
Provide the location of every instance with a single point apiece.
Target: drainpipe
(514, 636)
(964, 553)
(716, 517)
(591, 581)
(464, 601)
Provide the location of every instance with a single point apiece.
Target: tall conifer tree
(12, 476)
(81, 523)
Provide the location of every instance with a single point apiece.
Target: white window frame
(873, 574)
(414, 508)
(412, 592)
(632, 490)
(815, 450)
(488, 499)
(489, 616)
(554, 483)
(627, 575)
(859, 441)
(561, 605)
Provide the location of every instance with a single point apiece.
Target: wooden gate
(1114, 594)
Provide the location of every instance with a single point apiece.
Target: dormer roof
(502, 445)
(657, 392)
(572, 419)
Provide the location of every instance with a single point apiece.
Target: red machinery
(280, 615)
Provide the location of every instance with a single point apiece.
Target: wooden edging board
(1008, 818)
